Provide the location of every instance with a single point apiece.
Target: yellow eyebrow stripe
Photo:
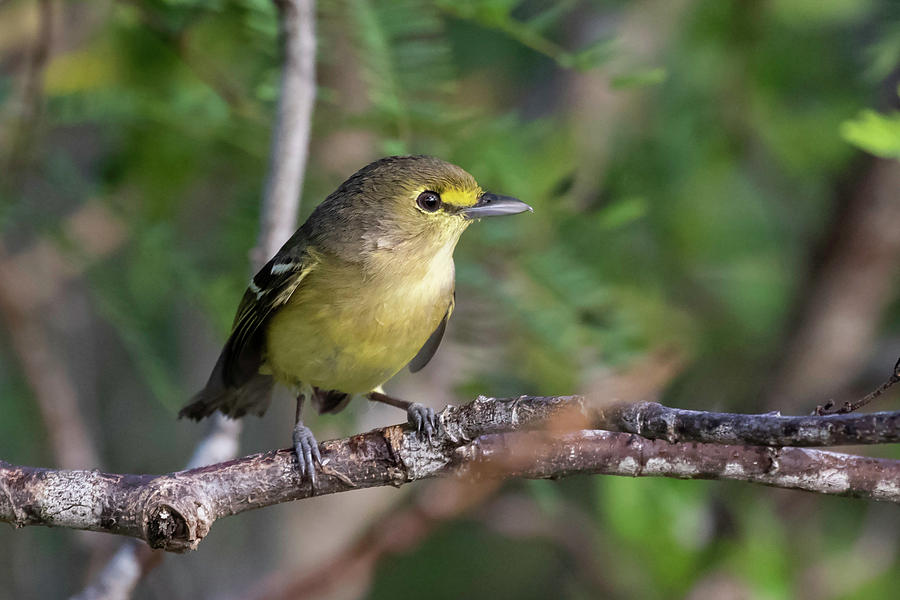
(459, 197)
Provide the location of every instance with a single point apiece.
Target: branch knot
(177, 515)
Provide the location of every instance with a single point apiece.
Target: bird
(363, 288)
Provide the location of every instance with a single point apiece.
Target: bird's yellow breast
(352, 326)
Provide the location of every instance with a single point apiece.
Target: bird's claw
(424, 419)
(307, 449)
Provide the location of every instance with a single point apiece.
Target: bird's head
(417, 202)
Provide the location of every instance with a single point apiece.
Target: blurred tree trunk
(839, 312)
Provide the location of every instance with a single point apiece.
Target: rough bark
(609, 453)
(175, 511)
(655, 421)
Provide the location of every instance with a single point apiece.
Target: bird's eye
(429, 201)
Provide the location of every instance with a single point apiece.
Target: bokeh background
(717, 225)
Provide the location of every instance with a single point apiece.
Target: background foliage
(692, 165)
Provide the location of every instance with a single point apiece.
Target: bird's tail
(251, 396)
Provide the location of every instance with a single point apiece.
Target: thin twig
(829, 408)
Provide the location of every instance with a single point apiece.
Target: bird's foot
(307, 449)
(423, 419)
(419, 416)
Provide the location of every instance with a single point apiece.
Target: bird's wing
(434, 340)
(269, 289)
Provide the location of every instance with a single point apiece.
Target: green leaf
(639, 78)
(875, 133)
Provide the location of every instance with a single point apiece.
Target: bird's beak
(494, 205)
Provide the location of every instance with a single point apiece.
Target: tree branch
(293, 123)
(655, 421)
(175, 511)
(609, 453)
